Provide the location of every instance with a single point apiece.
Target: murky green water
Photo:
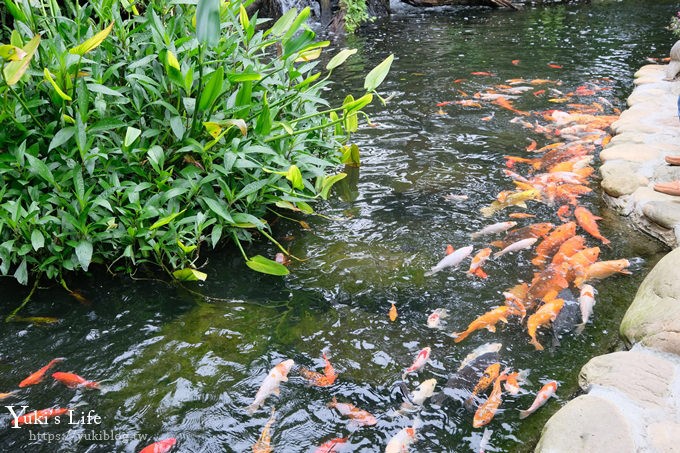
(174, 364)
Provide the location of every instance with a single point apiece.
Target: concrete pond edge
(632, 398)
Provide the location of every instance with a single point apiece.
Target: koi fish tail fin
(93, 385)
(536, 344)
(524, 414)
(579, 328)
(250, 410)
(458, 337)
(606, 242)
(432, 271)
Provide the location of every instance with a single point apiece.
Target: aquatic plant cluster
(674, 26)
(133, 138)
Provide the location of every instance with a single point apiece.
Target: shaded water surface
(175, 364)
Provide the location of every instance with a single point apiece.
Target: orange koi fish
(488, 409)
(6, 395)
(542, 82)
(358, 416)
(393, 313)
(468, 103)
(39, 375)
(482, 73)
(73, 380)
(459, 80)
(554, 66)
(538, 92)
(532, 146)
(330, 446)
(552, 242)
(512, 383)
(486, 321)
(488, 377)
(552, 279)
(321, 380)
(419, 362)
(563, 212)
(506, 104)
(603, 269)
(543, 316)
(477, 263)
(542, 397)
(263, 444)
(162, 446)
(588, 221)
(569, 248)
(515, 62)
(39, 416)
(445, 103)
(521, 215)
(515, 297)
(580, 261)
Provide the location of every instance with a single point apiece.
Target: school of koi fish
(564, 259)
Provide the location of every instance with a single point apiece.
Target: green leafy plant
(355, 13)
(131, 140)
(674, 25)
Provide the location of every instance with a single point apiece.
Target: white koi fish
(424, 390)
(544, 394)
(516, 246)
(493, 229)
(271, 383)
(452, 260)
(586, 301)
(434, 321)
(487, 348)
(401, 441)
(420, 361)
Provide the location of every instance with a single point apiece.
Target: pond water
(185, 362)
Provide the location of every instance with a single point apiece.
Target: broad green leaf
(37, 240)
(103, 89)
(56, 87)
(189, 275)
(266, 266)
(38, 166)
(312, 78)
(263, 126)
(350, 155)
(243, 220)
(352, 105)
(21, 274)
(328, 182)
(131, 134)
(165, 220)
(282, 25)
(304, 207)
(177, 126)
(378, 74)
(156, 157)
(9, 52)
(173, 69)
(92, 43)
(212, 89)
(218, 209)
(246, 76)
(295, 177)
(296, 23)
(61, 137)
(214, 129)
(308, 55)
(15, 69)
(208, 22)
(340, 58)
(84, 253)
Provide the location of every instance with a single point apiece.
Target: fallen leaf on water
(393, 313)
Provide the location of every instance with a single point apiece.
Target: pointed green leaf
(295, 177)
(15, 69)
(165, 220)
(37, 240)
(189, 275)
(131, 134)
(328, 182)
(212, 89)
(266, 266)
(61, 137)
(186, 248)
(283, 24)
(56, 87)
(9, 52)
(378, 74)
(340, 58)
(295, 24)
(92, 43)
(218, 208)
(21, 274)
(84, 253)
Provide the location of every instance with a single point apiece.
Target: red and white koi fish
(493, 229)
(162, 446)
(38, 416)
(516, 246)
(72, 381)
(546, 392)
(586, 302)
(420, 361)
(39, 375)
(434, 321)
(477, 263)
(358, 416)
(270, 385)
(514, 380)
(401, 441)
(452, 260)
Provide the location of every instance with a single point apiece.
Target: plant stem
(25, 301)
(20, 99)
(240, 246)
(304, 131)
